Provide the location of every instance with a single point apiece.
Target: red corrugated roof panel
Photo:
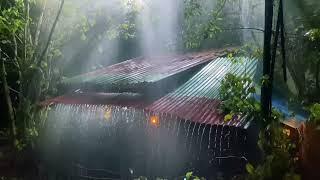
(197, 109)
(143, 70)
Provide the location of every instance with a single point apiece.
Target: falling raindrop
(204, 128)
(209, 141)
(191, 138)
(179, 127)
(187, 134)
(215, 141)
(198, 135)
(220, 146)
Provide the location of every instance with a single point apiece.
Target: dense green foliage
(32, 45)
(315, 114)
(235, 93)
(280, 158)
(196, 28)
(29, 51)
(91, 36)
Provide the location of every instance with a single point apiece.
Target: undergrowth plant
(235, 94)
(191, 176)
(279, 153)
(279, 156)
(315, 114)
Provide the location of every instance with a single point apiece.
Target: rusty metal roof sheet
(143, 70)
(198, 99)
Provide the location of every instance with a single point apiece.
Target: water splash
(94, 134)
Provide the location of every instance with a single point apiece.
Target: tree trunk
(310, 152)
(317, 76)
(25, 57)
(8, 101)
(18, 64)
(265, 90)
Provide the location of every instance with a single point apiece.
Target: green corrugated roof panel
(206, 83)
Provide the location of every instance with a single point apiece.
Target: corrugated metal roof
(143, 70)
(197, 100)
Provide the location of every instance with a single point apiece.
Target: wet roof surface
(144, 69)
(198, 99)
(119, 99)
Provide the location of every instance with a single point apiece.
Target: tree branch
(237, 157)
(51, 33)
(13, 90)
(243, 28)
(221, 7)
(258, 29)
(15, 61)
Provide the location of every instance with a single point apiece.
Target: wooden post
(266, 90)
